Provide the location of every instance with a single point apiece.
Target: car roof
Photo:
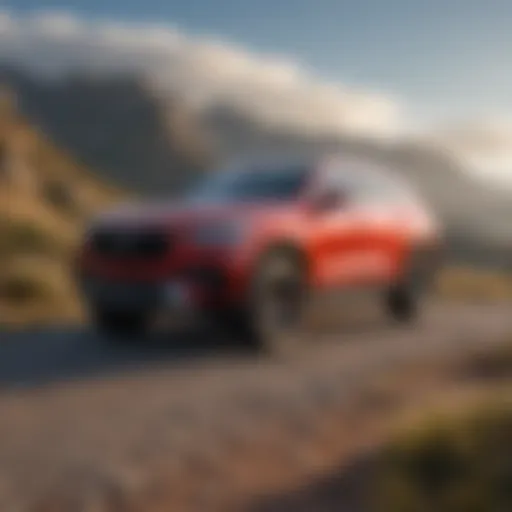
(339, 161)
(268, 162)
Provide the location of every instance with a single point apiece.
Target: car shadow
(37, 357)
(33, 358)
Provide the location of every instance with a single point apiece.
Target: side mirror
(326, 201)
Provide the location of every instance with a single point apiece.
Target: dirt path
(186, 427)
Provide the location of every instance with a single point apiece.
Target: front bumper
(192, 288)
(173, 295)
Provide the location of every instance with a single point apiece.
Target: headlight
(217, 235)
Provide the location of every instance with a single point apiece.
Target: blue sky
(450, 56)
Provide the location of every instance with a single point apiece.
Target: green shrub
(468, 283)
(452, 465)
(24, 237)
(22, 289)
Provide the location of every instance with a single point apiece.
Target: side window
(373, 188)
(380, 186)
(353, 179)
(332, 178)
(343, 177)
(365, 186)
(366, 183)
(397, 191)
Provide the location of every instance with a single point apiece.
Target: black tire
(404, 299)
(119, 325)
(250, 324)
(277, 302)
(402, 303)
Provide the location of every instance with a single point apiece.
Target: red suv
(251, 246)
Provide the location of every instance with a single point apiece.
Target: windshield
(253, 185)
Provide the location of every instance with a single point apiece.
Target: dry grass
(458, 462)
(35, 290)
(455, 457)
(28, 236)
(41, 220)
(466, 283)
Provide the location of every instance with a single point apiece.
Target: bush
(453, 465)
(21, 289)
(472, 283)
(26, 237)
(61, 196)
(37, 290)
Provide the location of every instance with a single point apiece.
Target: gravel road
(108, 426)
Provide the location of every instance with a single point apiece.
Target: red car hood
(176, 213)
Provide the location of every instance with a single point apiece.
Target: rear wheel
(404, 299)
(402, 303)
(120, 324)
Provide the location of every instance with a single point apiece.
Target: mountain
(116, 125)
(152, 143)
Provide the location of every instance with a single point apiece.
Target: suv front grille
(210, 277)
(131, 244)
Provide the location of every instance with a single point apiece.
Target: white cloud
(483, 145)
(208, 72)
(488, 135)
(205, 71)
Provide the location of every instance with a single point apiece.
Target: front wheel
(277, 302)
(272, 317)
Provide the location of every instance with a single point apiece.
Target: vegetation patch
(27, 237)
(30, 279)
(459, 463)
(472, 283)
(61, 196)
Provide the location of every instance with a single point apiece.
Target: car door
(380, 211)
(334, 232)
(361, 253)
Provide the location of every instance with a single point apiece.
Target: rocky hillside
(45, 200)
(118, 126)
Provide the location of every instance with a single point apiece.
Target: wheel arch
(424, 260)
(288, 246)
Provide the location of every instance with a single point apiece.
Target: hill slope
(116, 125)
(44, 201)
